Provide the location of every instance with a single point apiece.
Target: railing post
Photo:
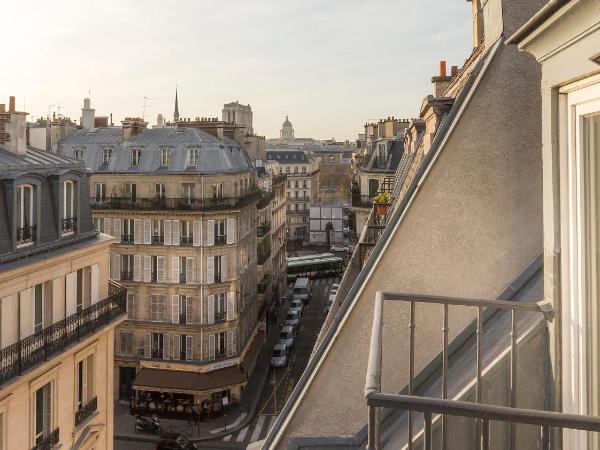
(445, 375)
(485, 434)
(428, 432)
(374, 428)
(513, 373)
(411, 372)
(20, 357)
(479, 365)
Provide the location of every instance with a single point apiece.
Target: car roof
(279, 346)
(292, 311)
(287, 328)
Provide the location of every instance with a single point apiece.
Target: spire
(176, 112)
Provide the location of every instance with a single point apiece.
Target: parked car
(297, 305)
(292, 318)
(339, 248)
(279, 357)
(330, 301)
(174, 441)
(335, 287)
(302, 289)
(287, 336)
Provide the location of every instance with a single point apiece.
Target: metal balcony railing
(126, 275)
(263, 229)
(375, 399)
(26, 235)
(220, 240)
(362, 201)
(69, 225)
(158, 239)
(182, 278)
(127, 238)
(186, 240)
(49, 442)
(180, 203)
(220, 316)
(86, 411)
(39, 347)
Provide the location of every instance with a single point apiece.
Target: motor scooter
(148, 425)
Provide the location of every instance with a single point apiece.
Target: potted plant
(382, 201)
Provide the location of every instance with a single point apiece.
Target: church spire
(176, 112)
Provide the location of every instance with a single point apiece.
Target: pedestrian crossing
(255, 431)
(325, 281)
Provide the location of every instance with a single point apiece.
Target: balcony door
(580, 242)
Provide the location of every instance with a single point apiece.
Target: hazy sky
(330, 65)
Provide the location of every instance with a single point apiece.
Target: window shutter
(160, 269)
(166, 346)
(175, 309)
(230, 343)
(211, 347)
(224, 268)
(175, 269)
(117, 230)
(147, 345)
(8, 327)
(167, 232)
(107, 225)
(137, 231)
(122, 343)
(189, 270)
(176, 346)
(26, 312)
(130, 305)
(197, 230)
(189, 310)
(147, 231)
(147, 268)
(115, 267)
(210, 232)
(189, 348)
(71, 293)
(94, 283)
(230, 231)
(176, 230)
(161, 307)
(137, 268)
(211, 309)
(210, 269)
(230, 305)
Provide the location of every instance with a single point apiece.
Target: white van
(302, 289)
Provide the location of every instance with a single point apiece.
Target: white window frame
(165, 157)
(106, 155)
(136, 156)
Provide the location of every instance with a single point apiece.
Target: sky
(331, 65)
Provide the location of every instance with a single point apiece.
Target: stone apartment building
(302, 187)
(59, 308)
(181, 204)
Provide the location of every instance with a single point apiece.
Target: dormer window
(165, 157)
(136, 154)
(193, 154)
(106, 155)
(69, 219)
(78, 153)
(26, 229)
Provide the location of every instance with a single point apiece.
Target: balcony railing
(362, 201)
(127, 238)
(126, 275)
(39, 347)
(182, 278)
(220, 240)
(49, 442)
(86, 411)
(263, 229)
(220, 316)
(175, 203)
(158, 239)
(261, 259)
(186, 240)
(69, 225)
(25, 235)
(376, 400)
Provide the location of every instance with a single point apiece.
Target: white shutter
(230, 231)
(166, 346)
(197, 230)
(71, 293)
(94, 284)
(189, 310)
(211, 309)
(7, 322)
(130, 304)
(167, 225)
(137, 268)
(115, 267)
(26, 313)
(58, 303)
(210, 269)
(147, 268)
(210, 232)
(107, 225)
(147, 231)
(147, 345)
(175, 309)
(224, 268)
(189, 348)
(230, 343)
(189, 270)
(231, 306)
(176, 347)
(211, 347)
(160, 269)
(175, 269)
(137, 231)
(117, 230)
(176, 231)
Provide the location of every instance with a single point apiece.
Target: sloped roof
(35, 159)
(287, 156)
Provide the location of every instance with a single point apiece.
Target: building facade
(58, 307)
(181, 204)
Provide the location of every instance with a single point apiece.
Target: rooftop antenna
(58, 107)
(146, 106)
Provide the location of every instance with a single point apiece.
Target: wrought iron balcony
(86, 411)
(181, 203)
(127, 238)
(186, 240)
(26, 235)
(69, 225)
(263, 229)
(158, 239)
(39, 347)
(220, 240)
(126, 275)
(362, 201)
(182, 278)
(220, 316)
(49, 442)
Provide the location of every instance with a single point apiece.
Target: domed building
(287, 130)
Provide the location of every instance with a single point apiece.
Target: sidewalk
(210, 429)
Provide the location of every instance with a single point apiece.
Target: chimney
(131, 127)
(15, 129)
(88, 115)
(441, 82)
(2, 107)
(453, 70)
(160, 121)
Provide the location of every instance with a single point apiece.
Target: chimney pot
(2, 107)
(11, 104)
(453, 70)
(442, 68)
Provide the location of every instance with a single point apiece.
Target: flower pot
(381, 209)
